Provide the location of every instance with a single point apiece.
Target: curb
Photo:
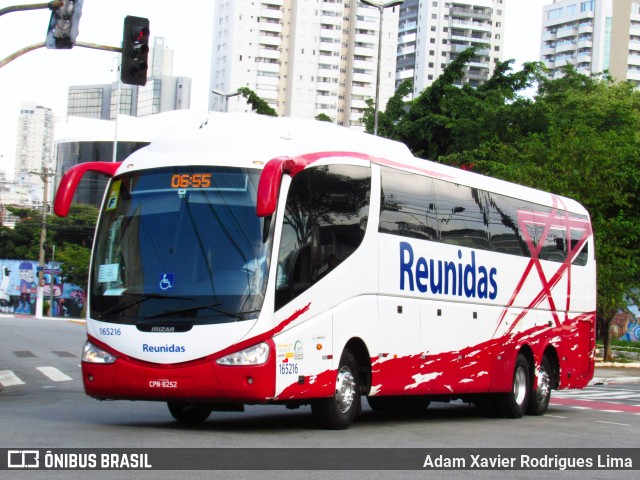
(614, 380)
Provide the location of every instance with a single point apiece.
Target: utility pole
(44, 174)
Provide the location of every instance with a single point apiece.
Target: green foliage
(447, 118)
(75, 260)
(23, 241)
(323, 117)
(257, 104)
(72, 235)
(396, 108)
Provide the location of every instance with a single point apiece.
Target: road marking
(623, 395)
(614, 423)
(54, 374)
(609, 407)
(555, 416)
(9, 379)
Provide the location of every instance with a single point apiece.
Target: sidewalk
(614, 373)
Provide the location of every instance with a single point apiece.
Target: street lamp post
(380, 6)
(225, 96)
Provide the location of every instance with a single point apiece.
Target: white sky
(43, 76)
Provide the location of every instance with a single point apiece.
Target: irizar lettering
(441, 277)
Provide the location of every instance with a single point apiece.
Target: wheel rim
(520, 386)
(544, 386)
(345, 389)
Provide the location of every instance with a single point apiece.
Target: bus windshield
(180, 245)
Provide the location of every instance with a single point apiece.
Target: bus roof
(242, 139)
(251, 140)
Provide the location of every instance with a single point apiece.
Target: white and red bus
(260, 260)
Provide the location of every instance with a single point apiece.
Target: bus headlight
(256, 355)
(93, 354)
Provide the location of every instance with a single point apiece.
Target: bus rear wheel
(189, 413)
(539, 400)
(339, 411)
(513, 404)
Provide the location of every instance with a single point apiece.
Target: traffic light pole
(35, 46)
(32, 6)
(39, 6)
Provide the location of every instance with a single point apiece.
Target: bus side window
(504, 232)
(408, 205)
(325, 219)
(582, 257)
(462, 216)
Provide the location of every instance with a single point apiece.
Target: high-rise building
(163, 92)
(304, 57)
(34, 142)
(161, 59)
(594, 36)
(577, 32)
(433, 33)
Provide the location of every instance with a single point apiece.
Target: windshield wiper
(208, 306)
(142, 297)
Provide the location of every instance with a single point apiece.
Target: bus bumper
(200, 380)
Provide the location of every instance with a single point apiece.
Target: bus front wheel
(339, 411)
(190, 413)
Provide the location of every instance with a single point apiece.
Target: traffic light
(63, 26)
(135, 51)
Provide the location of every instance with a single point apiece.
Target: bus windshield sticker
(112, 203)
(114, 292)
(166, 281)
(108, 272)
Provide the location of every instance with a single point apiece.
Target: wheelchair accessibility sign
(166, 281)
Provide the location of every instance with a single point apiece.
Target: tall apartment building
(304, 57)
(577, 32)
(34, 142)
(163, 92)
(34, 151)
(594, 36)
(432, 33)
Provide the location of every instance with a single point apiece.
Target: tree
(23, 241)
(396, 107)
(323, 117)
(74, 234)
(257, 104)
(76, 228)
(448, 117)
(75, 263)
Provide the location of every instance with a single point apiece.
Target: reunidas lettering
(163, 348)
(442, 277)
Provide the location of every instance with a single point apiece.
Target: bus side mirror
(270, 180)
(71, 179)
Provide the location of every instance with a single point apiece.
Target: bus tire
(338, 411)
(189, 413)
(539, 398)
(513, 404)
